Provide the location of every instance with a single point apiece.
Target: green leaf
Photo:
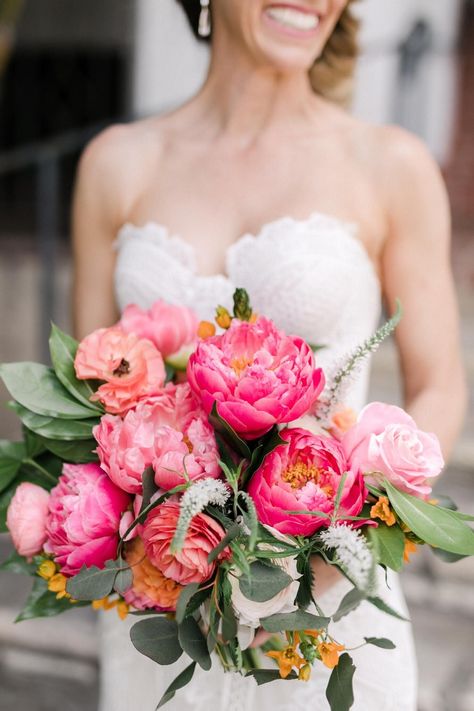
(193, 642)
(80, 452)
(37, 388)
(229, 624)
(389, 544)
(381, 642)
(265, 447)
(33, 444)
(446, 556)
(123, 579)
(180, 682)
(250, 519)
(338, 498)
(16, 563)
(54, 428)
(43, 603)
(305, 590)
(63, 352)
(94, 583)
(157, 638)
(339, 691)
(229, 434)
(184, 598)
(232, 533)
(264, 676)
(11, 458)
(349, 602)
(382, 605)
(263, 582)
(438, 527)
(294, 622)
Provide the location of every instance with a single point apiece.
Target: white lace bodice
(313, 277)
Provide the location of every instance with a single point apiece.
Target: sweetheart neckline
(351, 229)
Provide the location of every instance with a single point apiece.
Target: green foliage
(264, 676)
(184, 599)
(384, 607)
(381, 642)
(388, 544)
(232, 533)
(95, 583)
(157, 638)
(294, 621)
(179, 683)
(339, 692)
(53, 427)
(193, 642)
(12, 455)
(228, 434)
(242, 307)
(43, 603)
(349, 602)
(80, 452)
(17, 563)
(263, 582)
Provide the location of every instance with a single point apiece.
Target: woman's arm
(98, 211)
(416, 268)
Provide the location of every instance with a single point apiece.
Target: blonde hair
(332, 75)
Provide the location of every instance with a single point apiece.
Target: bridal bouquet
(188, 474)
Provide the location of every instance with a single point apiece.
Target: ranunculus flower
(168, 327)
(169, 432)
(150, 588)
(26, 518)
(386, 439)
(132, 367)
(85, 509)
(248, 612)
(190, 565)
(257, 375)
(304, 475)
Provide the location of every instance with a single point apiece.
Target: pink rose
(132, 367)
(190, 565)
(304, 476)
(84, 518)
(169, 432)
(168, 327)
(385, 439)
(26, 519)
(257, 375)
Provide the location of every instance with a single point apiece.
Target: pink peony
(132, 367)
(304, 476)
(190, 565)
(26, 518)
(168, 327)
(258, 376)
(84, 518)
(385, 439)
(169, 432)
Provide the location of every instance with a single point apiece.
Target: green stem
(50, 477)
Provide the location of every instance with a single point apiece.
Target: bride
(263, 181)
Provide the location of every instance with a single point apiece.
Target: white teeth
(293, 18)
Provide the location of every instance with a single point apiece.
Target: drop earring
(204, 29)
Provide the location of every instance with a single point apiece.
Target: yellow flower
(287, 659)
(410, 548)
(329, 652)
(383, 511)
(107, 604)
(206, 329)
(122, 609)
(223, 317)
(57, 584)
(46, 569)
(304, 673)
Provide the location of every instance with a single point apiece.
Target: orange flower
(287, 659)
(223, 317)
(342, 421)
(107, 604)
(410, 548)
(206, 329)
(150, 588)
(329, 652)
(57, 584)
(383, 511)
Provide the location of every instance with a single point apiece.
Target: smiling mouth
(292, 18)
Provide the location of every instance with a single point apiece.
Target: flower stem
(47, 475)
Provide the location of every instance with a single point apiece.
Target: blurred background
(68, 68)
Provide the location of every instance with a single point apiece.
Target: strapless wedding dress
(314, 278)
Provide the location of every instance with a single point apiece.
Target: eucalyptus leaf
(384, 607)
(37, 388)
(381, 642)
(439, 527)
(294, 622)
(193, 642)
(263, 582)
(265, 676)
(179, 683)
(55, 428)
(339, 692)
(349, 602)
(63, 350)
(389, 544)
(184, 598)
(157, 638)
(123, 579)
(94, 583)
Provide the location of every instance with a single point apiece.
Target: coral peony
(386, 440)
(305, 475)
(169, 432)
(190, 565)
(168, 327)
(150, 588)
(26, 518)
(84, 518)
(257, 375)
(132, 367)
